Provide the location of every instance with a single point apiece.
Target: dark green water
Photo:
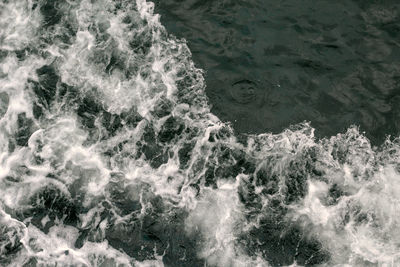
(110, 154)
(272, 63)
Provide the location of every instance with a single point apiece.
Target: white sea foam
(96, 167)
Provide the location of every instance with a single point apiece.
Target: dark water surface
(272, 63)
(111, 155)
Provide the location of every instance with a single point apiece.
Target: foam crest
(109, 156)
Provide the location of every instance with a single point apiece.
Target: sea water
(110, 156)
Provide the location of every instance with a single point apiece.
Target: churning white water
(109, 156)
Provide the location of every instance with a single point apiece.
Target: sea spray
(110, 157)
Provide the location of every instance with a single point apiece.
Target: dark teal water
(113, 154)
(273, 63)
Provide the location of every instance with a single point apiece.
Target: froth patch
(110, 156)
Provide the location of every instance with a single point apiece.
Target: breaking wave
(109, 156)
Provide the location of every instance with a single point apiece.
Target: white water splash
(107, 138)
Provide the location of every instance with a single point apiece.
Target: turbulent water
(110, 156)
